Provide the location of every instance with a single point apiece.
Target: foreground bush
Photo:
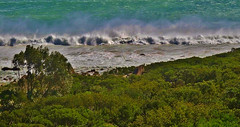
(190, 92)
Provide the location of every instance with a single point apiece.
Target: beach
(107, 57)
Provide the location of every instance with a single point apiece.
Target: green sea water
(26, 16)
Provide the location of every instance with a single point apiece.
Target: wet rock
(12, 41)
(10, 69)
(24, 42)
(82, 40)
(89, 41)
(63, 42)
(122, 42)
(185, 43)
(174, 41)
(91, 73)
(33, 41)
(92, 41)
(130, 41)
(49, 39)
(2, 43)
(141, 42)
(150, 40)
(127, 40)
(100, 41)
(163, 43)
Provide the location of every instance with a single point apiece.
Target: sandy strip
(85, 58)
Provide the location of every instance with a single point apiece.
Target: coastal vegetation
(189, 92)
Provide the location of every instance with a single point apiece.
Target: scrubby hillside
(188, 92)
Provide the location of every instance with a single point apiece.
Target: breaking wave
(110, 40)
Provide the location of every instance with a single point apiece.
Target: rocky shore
(99, 59)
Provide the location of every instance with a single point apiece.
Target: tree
(47, 73)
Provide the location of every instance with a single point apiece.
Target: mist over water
(38, 19)
(79, 24)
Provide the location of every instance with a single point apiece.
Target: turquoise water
(81, 16)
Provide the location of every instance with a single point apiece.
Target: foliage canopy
(190, 92)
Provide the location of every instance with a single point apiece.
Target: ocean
(97, 22)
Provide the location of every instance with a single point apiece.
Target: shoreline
(107, 57)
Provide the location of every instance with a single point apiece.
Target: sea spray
(104, 39)
(98, 22)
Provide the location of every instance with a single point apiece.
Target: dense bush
(47, 73)
(189, 92)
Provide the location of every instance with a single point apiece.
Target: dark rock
(5, 69)
(91, 73)
(57, 41)
(150, 40)
(11, 69)
(33, 41)
(24, 42)
(142, 54)
(130, 42)
(60, 42)
(140, 42)
(13, 41)
(89, 41)
(174, 41)
(122, 42)
(101, 41)
(2, 43)
(82, 40)
(49, 39)
(126, 42)
(16, 69)
(163, 43)
(185, 43)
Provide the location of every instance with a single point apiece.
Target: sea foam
(94, 40)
